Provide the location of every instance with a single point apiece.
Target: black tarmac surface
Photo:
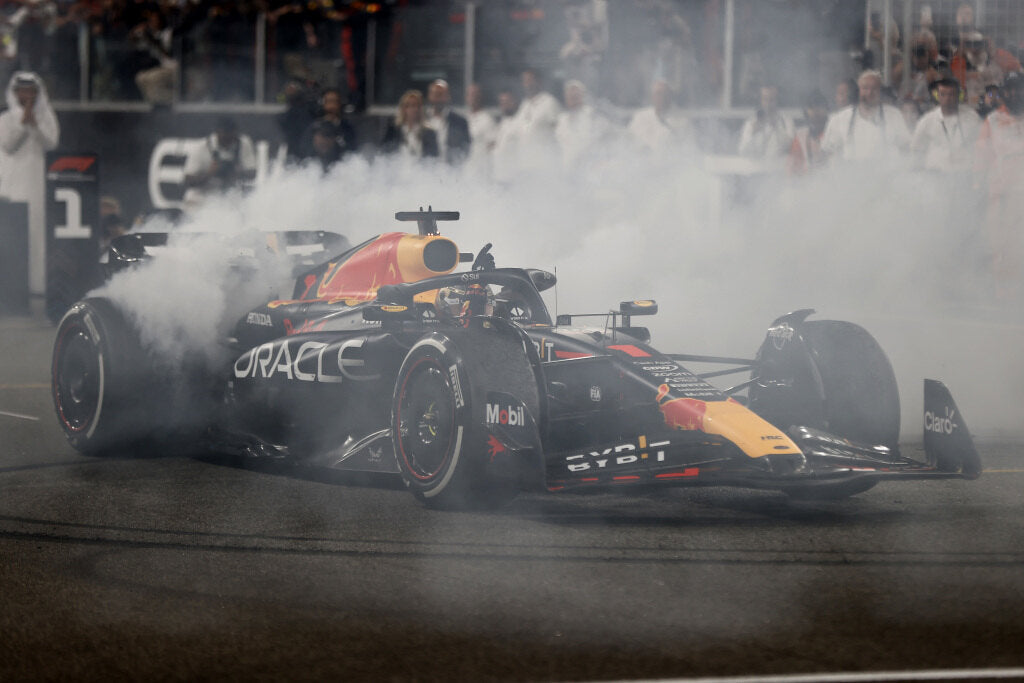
(199, 568)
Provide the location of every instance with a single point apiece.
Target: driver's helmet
(463, 302)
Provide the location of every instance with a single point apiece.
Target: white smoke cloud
(882, 249)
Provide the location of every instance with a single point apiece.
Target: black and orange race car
(387, 357)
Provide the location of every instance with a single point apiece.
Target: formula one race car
(387, 358)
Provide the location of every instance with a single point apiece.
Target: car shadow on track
(711, 507)
(284, 467)
(693, 507)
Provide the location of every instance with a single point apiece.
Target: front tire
(862, 400)
(835, 377)
(839, 381)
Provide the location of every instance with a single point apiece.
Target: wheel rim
(77, 379)
(426, 420)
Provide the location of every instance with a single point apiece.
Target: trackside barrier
(72, 229)
(13, 258)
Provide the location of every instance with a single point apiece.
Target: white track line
(19, 416)
(933, 675)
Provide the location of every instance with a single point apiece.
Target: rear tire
(438, 416)
(108, 393)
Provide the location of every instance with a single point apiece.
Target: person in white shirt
(507, 142)
(536, 118)
(1000, 169)
(580, 130)
(483, 130)
(768, 134)
(28, 130)
(659, 128)
(944, 139)
(453, 135)
(868, 130)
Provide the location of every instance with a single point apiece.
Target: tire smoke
(883, 247)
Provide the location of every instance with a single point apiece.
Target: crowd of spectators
(197, 50)
(954, 107)
(136, 46)
(951, 111)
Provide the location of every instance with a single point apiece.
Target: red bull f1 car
(389, 357)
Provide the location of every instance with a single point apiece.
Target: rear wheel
(430, 438)
(108, 394)
(96, 361)
(438, 416)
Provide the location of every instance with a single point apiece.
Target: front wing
(694, 459)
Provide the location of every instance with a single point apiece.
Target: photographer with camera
(224, 161)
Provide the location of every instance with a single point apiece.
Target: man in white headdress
(28, 130)
(868, 131)
(580, 130)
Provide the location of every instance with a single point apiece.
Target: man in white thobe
(28, 130)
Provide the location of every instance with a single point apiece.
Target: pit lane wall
(141, 151)
(140, 156)
(135, 156)
(125, 141)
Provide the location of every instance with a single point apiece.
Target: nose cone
(754, 435)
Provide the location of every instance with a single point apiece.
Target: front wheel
(834, 376)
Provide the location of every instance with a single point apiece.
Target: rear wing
(427, 220)
(305, 248)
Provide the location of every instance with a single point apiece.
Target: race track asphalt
(200, 568)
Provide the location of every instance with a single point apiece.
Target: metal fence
(715, 52)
